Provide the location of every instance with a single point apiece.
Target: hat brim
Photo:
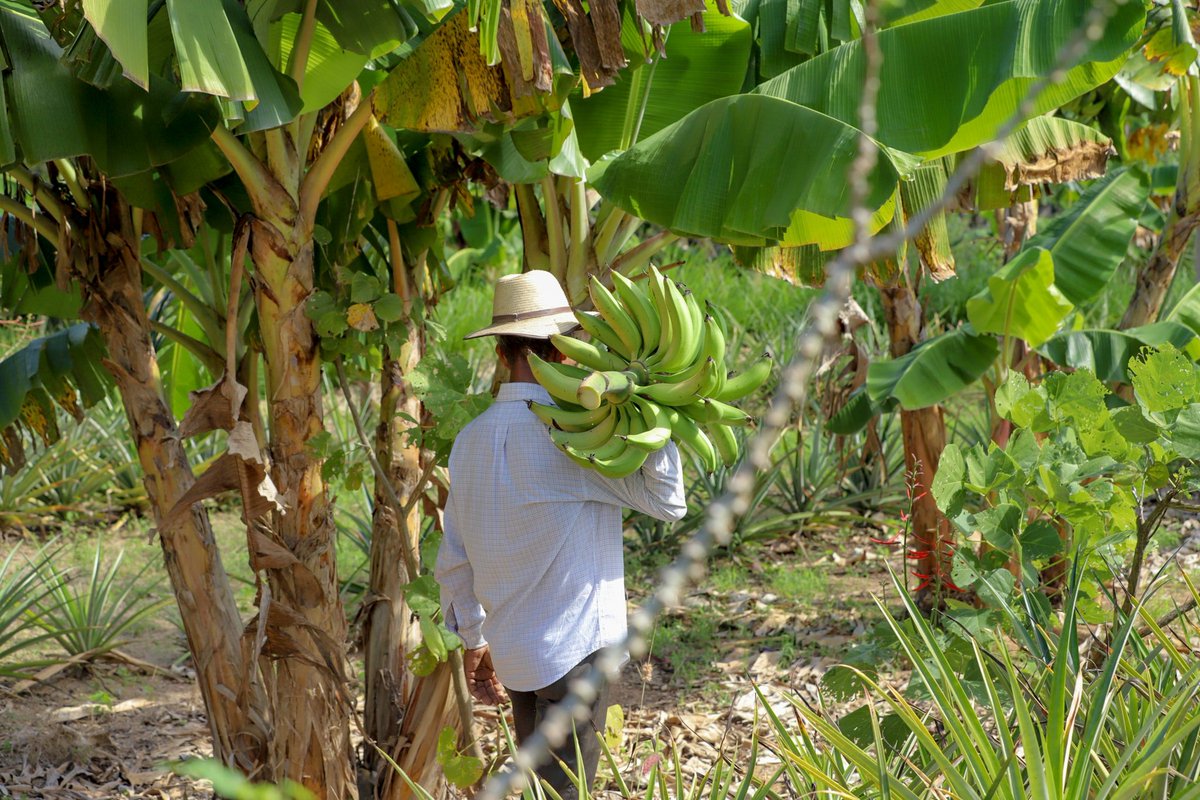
(542, 328)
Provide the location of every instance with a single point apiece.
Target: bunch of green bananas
(653, 371)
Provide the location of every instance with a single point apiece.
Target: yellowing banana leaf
(697, 68)
(445, 86)
(1043, 150)
(121, 24)
(947, 84)
(924, 188)
(1090, 240)
(63, 367)
(52, 114)
(748, 170)
(933, 370)
(390, 174)
(1021, 300)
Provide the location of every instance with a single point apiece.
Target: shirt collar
(523, 392)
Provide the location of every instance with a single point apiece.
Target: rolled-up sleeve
(461, 610)
(656, 489)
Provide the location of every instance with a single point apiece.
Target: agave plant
(1001, 728)
(23, 589)
(89, 615)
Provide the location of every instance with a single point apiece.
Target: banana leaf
(329, 70)
(62, 368)
(933, 370)
(1090, 240)
(366, 27)
(1043, 150)
(947, 84)
(122, 25)
(697, 68)
(1107, 352)
(904, 12)
(54, 115)
(1021, 299)
(748, 170)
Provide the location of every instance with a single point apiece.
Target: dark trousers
(530, 707)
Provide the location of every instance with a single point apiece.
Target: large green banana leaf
(949, 83)
(1187, 310)
(52, 114)
(32, 292)
(62, 368)
(213, 50)
(1021, 299)
(1090, 240)
(904, 12)
(1107, 352)
(747, 170)
(330, 69)
(367, 27)
(697, 68)
(933, 370)
(122, 25)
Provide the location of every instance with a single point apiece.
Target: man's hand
(481, 677)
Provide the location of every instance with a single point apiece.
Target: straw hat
(530, 304)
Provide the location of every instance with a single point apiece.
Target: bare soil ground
(777, 619)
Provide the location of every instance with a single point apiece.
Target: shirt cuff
(472, 635)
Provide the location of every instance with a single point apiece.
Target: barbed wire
(822, 327)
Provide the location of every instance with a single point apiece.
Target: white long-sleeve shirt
(531, 555)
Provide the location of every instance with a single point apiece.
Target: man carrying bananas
(530, 565)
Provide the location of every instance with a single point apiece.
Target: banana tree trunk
(924, 435)
(233, 699)
(1154, 278)
(312, 699)
(389, 631)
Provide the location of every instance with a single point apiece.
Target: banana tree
(707, 174)
(1171, 52)
(276, 97)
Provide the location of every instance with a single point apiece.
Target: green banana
(558, 379)
(743, 384)
(680, 349)
(614, 446)
(714, 347)
(682, 393)
(616, 316)
(727, 414)
(587, 354)
(567, 420)
(602, 332)
(658, 298)
(591, 390)
(588, 439)
(688, 433)
(654, 429)
(620, 387)
(726, 442)
(621, 466)
(686, 374)
(637, 301)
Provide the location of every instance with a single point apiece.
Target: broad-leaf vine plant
(1085, 475)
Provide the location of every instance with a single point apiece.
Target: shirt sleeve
(461, 610)
(655, 489)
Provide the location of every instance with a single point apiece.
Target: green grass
(799, 584)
